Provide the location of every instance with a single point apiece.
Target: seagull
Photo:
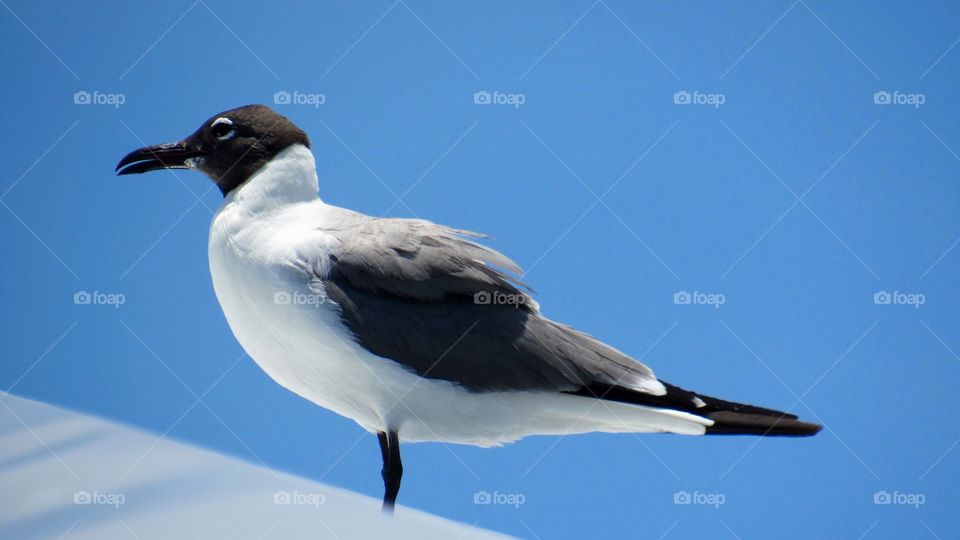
(414, 330)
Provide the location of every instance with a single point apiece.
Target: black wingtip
(729, 417)
(734, 423)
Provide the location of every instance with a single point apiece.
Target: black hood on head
(229, 147)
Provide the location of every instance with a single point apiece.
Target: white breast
(265, 248)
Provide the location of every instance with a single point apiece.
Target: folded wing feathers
(423, 260)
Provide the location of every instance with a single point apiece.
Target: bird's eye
(222, 129)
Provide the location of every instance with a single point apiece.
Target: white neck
(290, 177)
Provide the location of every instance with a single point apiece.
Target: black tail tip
(733, 423)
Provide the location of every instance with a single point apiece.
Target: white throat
(290, 177)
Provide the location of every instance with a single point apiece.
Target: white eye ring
(227, 121)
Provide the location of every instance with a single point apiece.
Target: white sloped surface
(70, 475)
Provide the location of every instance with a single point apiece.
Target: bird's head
(229, 147)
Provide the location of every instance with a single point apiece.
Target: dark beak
(162, 156)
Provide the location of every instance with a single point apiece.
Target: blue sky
(790, 160)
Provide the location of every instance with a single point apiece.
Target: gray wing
(446, 307)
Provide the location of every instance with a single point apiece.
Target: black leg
(392, 468)
(384, 449)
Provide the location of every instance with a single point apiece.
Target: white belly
(303, 346)
(283, 321)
